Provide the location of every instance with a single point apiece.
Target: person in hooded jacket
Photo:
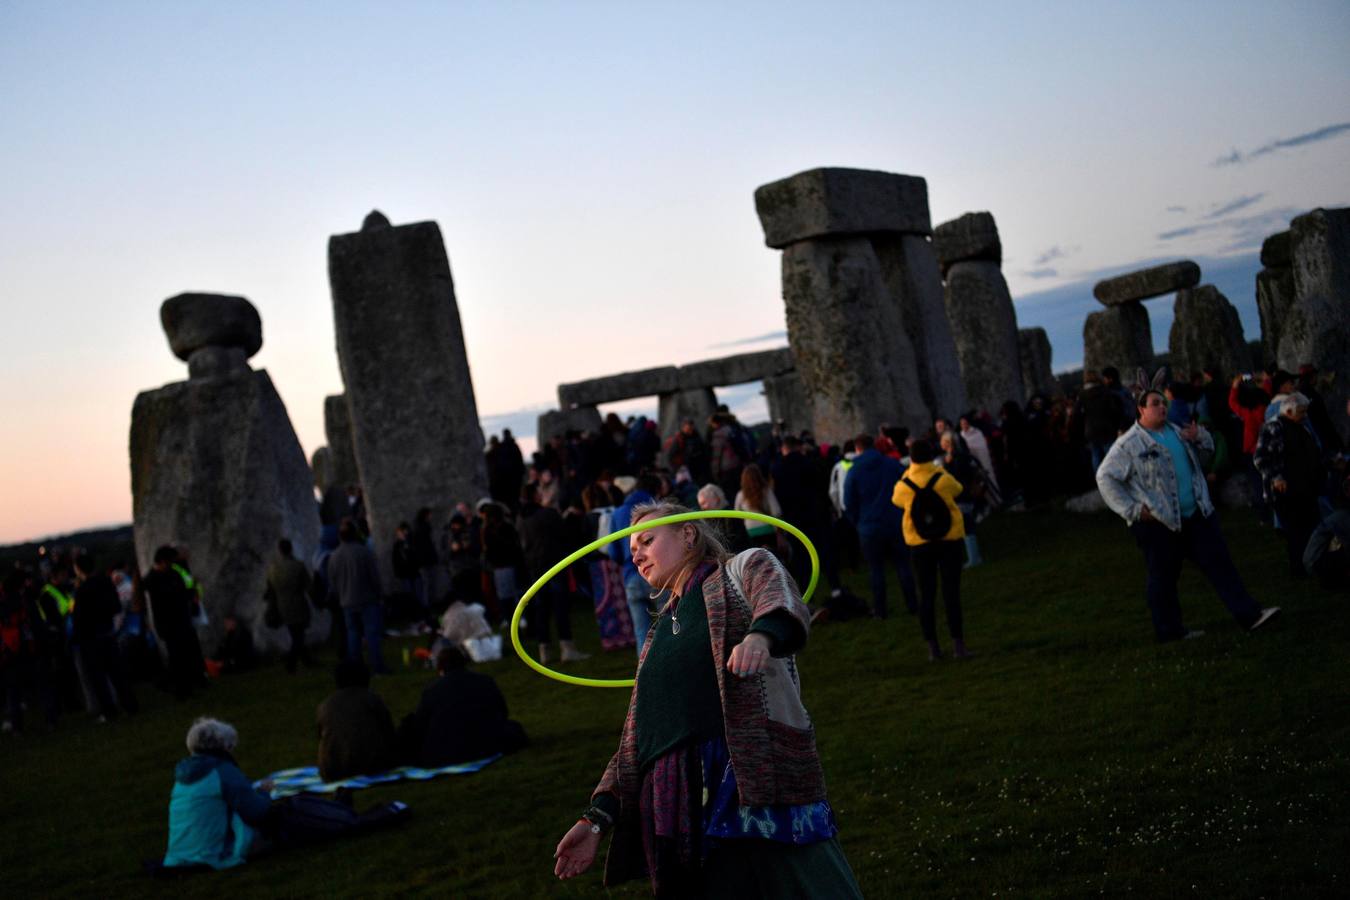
(867, 502)
(215, 814)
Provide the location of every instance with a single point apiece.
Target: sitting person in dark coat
(356, 732)
(461, 718)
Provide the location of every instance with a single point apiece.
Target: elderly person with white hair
(214, 812)
(1289, 457)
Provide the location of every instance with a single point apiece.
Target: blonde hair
(707, 543)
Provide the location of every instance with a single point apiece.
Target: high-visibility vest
(65, 603)
(188, 581)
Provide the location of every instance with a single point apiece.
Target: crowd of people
(1159, 452)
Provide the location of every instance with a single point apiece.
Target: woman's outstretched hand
(750, 655)
(576, 851)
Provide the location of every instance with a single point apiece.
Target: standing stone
(910, 268)
(853, 357)
(414, 419)
(216, 466)
(337, 429)
(557, 422)
(1274, 293)
(321, 464)
(1206, 331)
(1033, 350)
(1146, 283)
(788, 401)
(985, 329)
(1118, 336)
(674, 407)
(1317, 329)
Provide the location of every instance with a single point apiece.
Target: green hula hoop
(620, 535)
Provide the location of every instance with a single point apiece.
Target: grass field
(1071, 757)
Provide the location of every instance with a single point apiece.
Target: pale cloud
(1310, 137)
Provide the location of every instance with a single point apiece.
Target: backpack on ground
(928, 511)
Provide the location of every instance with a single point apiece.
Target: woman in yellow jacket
(934, 549)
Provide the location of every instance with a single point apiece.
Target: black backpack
(928, 511)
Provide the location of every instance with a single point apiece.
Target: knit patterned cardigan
(768, 732)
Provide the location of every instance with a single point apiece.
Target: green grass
(1072, 756)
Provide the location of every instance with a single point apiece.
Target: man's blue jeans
(367, 620)
(1164, 552)
(639, 606)
(880, 549)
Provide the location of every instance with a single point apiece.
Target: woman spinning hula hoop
(716, 788)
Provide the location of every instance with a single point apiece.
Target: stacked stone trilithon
(683, 392)
(414, 419)
(216, 467)
(863, 295)
(1120, 335)
(1316, 327)
(980, 310)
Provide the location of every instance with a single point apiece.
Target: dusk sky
(592, 168)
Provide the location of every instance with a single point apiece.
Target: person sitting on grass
(356, 732)
(215, 814)
(218, 820)
(462, 717)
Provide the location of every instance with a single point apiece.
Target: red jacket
(1252, 420)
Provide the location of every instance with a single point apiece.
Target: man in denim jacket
(1152, 479)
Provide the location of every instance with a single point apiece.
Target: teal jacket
(213, 813)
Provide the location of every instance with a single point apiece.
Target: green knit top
(678, 701)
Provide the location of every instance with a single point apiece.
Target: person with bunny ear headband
(1151, 477)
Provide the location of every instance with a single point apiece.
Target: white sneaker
(1267, 614)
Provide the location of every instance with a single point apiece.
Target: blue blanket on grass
(306, 779)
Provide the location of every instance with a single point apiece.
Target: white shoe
(1192, 635)
(1267, 614)
(570, 653)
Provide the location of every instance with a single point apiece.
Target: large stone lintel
(1145, 283)
(706, 374)
(971, 236)
(834, 201)
(624, 386)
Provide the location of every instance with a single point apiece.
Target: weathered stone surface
(984, 327)
(910, 271)
(213, 361)
(337, 429)
(833, 201)
(623, 386)
(409, 392)
(194, 321)
(1118, 336)
(1317, 329)
(216, 467)
(853, 354)
(1274, 299)
(1206, 331)
(695, 403)
(1033, 352)
(560, 421)
(321, 464)
(972, 236)
(738, 369)
(1276, 251)
(1146, 283)
(788, 401)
